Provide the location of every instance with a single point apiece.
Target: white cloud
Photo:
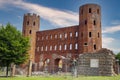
(116, 22)
(111, 29)
(111, 43)
(55, 16)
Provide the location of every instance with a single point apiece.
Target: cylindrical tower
(31, 23)
(90, 39)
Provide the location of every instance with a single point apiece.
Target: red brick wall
(44, 40)
(88, 39)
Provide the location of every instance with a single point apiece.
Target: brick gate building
(52, 48)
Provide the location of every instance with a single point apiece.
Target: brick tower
(31, 24)
(90, 39)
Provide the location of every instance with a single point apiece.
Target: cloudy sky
(62, 13)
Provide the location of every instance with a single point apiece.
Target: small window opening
(98, 35)
(85, 22)
(94, 22)
(94, 47)
(90, 34)
(33, 23)
(90, 10)
(85, 44)
(30, 31)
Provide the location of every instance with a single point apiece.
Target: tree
(118, 57)
(13, 46)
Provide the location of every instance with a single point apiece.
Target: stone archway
(46, 64)
(58, 64)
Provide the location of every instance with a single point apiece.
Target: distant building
(52, 48)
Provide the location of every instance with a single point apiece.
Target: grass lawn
(62, 78)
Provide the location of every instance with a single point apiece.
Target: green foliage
(13, 46)
(118, 57)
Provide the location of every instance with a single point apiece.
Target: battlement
(91, 5)
(32, 14)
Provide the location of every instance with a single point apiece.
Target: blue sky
(62, 13)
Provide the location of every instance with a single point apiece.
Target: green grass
(62, 78)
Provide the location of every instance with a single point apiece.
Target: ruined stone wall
(104, 66)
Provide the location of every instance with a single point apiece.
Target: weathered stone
(105, 64)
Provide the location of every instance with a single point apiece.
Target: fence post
(29, 68)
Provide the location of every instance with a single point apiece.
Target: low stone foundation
(100, 63)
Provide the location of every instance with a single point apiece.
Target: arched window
(70, 34)
(46, 48)
(70, 46)
(65, 35)
(65, 47)
(55, 36)
(76, 34)
(60, 35)
(55, 47)
(76, 46)
(42, 38)
(46, 37)
(42, 48)
(50, 48)
(60, 47)
(51, 36)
